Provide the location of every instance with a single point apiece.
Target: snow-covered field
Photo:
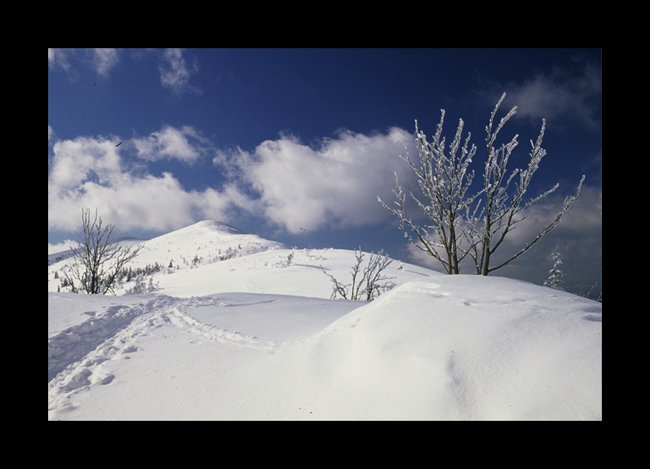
(256, 336)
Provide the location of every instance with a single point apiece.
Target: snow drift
(232, 340)
(459, 347)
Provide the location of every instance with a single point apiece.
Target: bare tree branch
(98, 258)
(368, 287)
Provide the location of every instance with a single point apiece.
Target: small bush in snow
(142, 287)
(555, 274)
(368, 287)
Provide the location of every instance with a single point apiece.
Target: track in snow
(75, 355)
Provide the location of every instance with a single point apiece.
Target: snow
(256, 337)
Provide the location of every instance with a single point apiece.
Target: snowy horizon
(225, 325)
(296, 145)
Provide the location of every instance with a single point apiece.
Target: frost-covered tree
(503, 207)
(98, 258)
(142, 287)
(454, 213)
(554, 280)
(444, 181)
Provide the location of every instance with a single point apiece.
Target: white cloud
(560, 95)
(78, 160)
(58, 58)
(104, 59)
(155, 203)
(90, 173)
(578, 238)
(185, 144)
(335, 183)
(101, 60)
(584, 216)
(175, 73)
(175, 70)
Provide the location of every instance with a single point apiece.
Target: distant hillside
(210, 257)
(205, 242)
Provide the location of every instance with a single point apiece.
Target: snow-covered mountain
(211, 257)
(243, 328)
(205, 242)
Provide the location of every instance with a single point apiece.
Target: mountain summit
(204, 242)
(212, 225)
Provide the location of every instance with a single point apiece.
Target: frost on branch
(368, 287)
(555, 274)
(460, 223)
(487, 229)
(444, 180)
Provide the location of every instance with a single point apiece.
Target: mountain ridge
(210, 256)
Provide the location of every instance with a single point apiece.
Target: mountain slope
(205, 242)
(211, 257)
(281, 271)
(201, 243)
(255, 336)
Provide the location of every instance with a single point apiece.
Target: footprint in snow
(106, 379)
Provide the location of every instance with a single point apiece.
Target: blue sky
(296, 144)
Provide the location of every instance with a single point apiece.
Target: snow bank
(271, 272)
(444, 347)
(459, 347)
(242, 328)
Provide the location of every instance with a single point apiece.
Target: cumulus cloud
(560, 95)
(332, 184)
(81, 159)
(150, 202)
(90, 172)
(175, 72)
(185, 144)
(296, 186)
